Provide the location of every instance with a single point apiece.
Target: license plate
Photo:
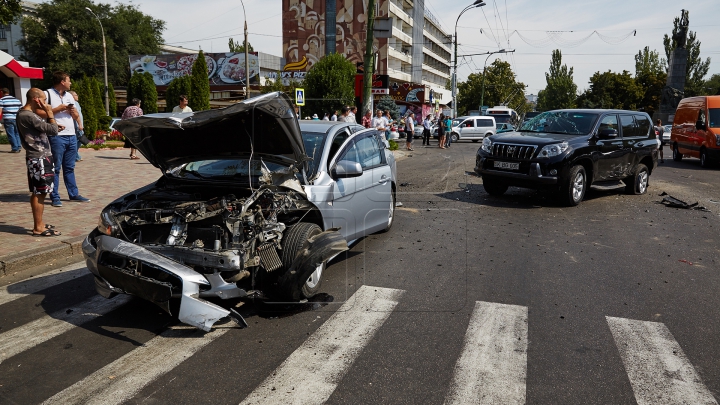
(507, 165)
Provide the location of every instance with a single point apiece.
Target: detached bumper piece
(131, 269)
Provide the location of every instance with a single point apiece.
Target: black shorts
(41, 173)
(409, 136)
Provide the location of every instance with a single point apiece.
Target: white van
(474, 128)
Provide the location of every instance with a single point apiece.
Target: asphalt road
(468, 299)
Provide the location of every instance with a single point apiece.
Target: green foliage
(9, 11)
(393, 145)
(611, 90)
(88, 101)
(179, 85)
(650, 76)
(142, 87)
(712, 85)
(4, 140)
(73, 43)
(501, 88)
(561, 90)
(238, 47)
(272, 85)
(199, 97)
(387, 103)
(113, 102)
(696, 69)
(329, 85)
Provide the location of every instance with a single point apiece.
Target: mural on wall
(304, 32)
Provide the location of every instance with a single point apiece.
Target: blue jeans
(64, 150)
(12, 133)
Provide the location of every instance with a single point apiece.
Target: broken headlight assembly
(553, 150)
(106, 224)
(487, 145)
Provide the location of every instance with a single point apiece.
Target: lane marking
(22, 338)
(659, 371)
(30, 286)
(492, 368)
(313, 371)
(125, 377)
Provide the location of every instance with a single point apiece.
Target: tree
(277, 84)
(386, 103)
(329, 84)
(142, 87)
(712, 85)
(501, 88)
(650, 76)
(199, 97)
(611, 90)
(696, 69)
(238, 47)
(179, 86)
(113, 102)
(83, 88)
(10, 10)
(73, 43)
(561, 90)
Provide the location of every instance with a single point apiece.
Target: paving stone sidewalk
(102, 176)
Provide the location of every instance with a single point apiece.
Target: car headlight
(553, 150)
(487, 145)
(106, 225)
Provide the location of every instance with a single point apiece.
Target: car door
(634, 145)
(467, 129)
(609, 151)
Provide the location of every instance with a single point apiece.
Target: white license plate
(507, 165)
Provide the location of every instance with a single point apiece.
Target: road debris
(685, 261)
(672, 202)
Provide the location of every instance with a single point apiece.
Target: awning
(12, 68)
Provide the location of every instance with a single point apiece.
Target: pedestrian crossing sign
(300, 97)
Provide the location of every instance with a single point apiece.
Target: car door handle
(383, 179)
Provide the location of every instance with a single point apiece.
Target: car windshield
(223, 168)
(457, 122)
(714, 121)
(562, 122)
(314, 143)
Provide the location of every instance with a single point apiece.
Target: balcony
(435, 71)
(399, 75)
(432, 54)
(438, 41)
(397, 33)
(401, 15)
(405, 57)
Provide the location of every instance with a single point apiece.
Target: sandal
(48, 226)
(134, 157)
(47, 232)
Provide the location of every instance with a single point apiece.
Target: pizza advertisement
(223, 68)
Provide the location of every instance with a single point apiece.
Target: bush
(329, 85)
(393, 144)
(142, 87)
(179, 85)
(104, 122)
(199, 97)
(4, 140)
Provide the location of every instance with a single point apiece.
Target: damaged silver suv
(247, 206)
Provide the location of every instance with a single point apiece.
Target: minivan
(474, 128)
(696, 130)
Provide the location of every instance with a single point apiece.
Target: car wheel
(677, 156)
(703, 158)
(475, 140)
(574, 191)
(494, 187)
(454, 137)
(292, 243)
(638, 182)
(391, 213)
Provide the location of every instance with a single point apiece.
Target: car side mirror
(608, 133)
(700, 125)
(346, 169)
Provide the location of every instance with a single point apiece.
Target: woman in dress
(133, 110)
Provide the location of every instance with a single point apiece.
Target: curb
(16, 263)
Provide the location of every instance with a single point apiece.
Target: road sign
(299, 96)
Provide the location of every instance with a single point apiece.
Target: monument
(674, 89)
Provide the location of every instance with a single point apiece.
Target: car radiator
(269, 257)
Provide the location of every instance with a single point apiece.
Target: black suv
(569, 150)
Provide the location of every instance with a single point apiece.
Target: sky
(592, 35)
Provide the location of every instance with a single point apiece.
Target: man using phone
(64, 144)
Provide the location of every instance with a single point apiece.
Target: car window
(338, 140)
(609, 122)
(628, 126)
(714, 121)
(368, 149)
(484, 122)
(469, 123)
(356, 128)
(643, 125)
(314, 143)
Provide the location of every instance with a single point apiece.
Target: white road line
(659, 371)
(313, 371)
(125, 377)
(492, 367)
(27, 336)
(24, 288)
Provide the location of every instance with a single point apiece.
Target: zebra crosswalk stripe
(27, 336)
(313, 371)
(125, 377)
(659, 371)
(492, 367)
(24, 288)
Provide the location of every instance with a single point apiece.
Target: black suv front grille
(512, 151)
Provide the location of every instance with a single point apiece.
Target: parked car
(474, 128)
(667, 129)
(696, 130)
(569, 150)
(113, 122)
(250, 204)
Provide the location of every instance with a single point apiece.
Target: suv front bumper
(530, 174)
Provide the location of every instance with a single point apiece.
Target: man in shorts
(34, 131)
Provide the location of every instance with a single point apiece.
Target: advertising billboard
(223, 68)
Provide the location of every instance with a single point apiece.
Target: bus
(503, 114)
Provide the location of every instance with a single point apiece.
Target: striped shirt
(10, 107)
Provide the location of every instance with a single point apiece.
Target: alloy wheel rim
(642, 182)
(578, 186)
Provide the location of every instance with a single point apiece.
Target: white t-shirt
(62, 118)
(379, 122)
(409, 123)
(177, 109)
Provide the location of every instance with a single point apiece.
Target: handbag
(82, 138)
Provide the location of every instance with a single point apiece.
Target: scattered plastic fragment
(685, 261)
(672, 202)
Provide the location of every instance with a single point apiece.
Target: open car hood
(263, 125)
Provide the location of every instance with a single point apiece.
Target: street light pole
(482, 93)
(107, 97)
(247, 61)
(453, 79)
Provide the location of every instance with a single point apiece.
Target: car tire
(493, 186)
(638, 183)
(454, 137)
(574, 190)
(292, 243)
(391, 213)
(704, 162)
(676, 156)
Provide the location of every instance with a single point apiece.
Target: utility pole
(368, 63)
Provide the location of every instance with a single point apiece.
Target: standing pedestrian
(64, 144)
(353, 112)
(334, 116)
(441, 131)
(38, 156)
(448, 131)
(379, 122)
(183, 106)
(326, 117)
(427, 126)
(79, 129)
(390, 121)
(345, 116)
(659, 130)
(409, 130)
(133, 110)
(366, 119)
(10, 106)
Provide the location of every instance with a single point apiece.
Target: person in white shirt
(183, 107)
(379, 122)
(427, 126)
(409, 130)
(334, 116)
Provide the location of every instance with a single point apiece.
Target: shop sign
(223, 68)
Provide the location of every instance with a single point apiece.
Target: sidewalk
(102, 176)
